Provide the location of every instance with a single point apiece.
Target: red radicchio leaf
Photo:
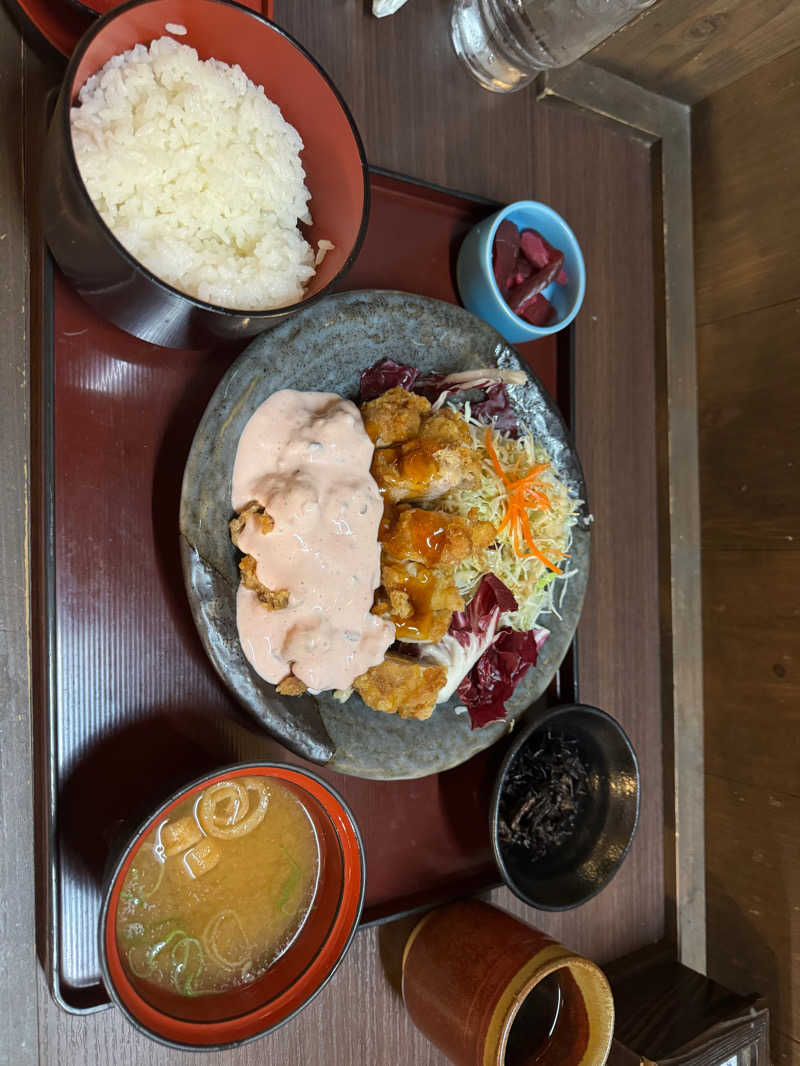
(510, 655)
(429, 386)
(495, 409)
(384, 375)
(492, 597)
(494, 677)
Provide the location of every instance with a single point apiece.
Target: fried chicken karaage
(394, 416)
(401, 686)
(420, 454)
(418, 599)
(420, 548)
(272, 599)
(253, 510)
(432, 537)
(439, 458)
(291, 686)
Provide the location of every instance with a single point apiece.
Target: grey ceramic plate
(325, 349)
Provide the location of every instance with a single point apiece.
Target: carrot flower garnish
(523, 494)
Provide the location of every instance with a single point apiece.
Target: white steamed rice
(197, 174)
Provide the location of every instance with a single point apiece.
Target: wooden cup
(467, 970)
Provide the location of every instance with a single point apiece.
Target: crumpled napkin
(386, 7)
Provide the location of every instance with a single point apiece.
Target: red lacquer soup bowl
(226, 1019)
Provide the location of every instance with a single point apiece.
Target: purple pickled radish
(538, 311)
(539, 252)
(505, 252)
(561, 277)
(522, 271)
(524, 293)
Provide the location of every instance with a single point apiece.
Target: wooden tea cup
(469, 968)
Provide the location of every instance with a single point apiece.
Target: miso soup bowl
(227, 1019)
(111, 280)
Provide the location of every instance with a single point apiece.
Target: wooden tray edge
(665, 125)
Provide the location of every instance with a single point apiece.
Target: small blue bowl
(478, 288)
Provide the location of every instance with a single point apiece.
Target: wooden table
(419, 114)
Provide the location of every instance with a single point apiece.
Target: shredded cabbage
(535, 588)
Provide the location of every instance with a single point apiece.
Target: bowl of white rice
(204, 178)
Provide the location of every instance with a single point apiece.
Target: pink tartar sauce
(305, 457)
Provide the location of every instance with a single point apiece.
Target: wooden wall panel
(754, 903)
(751, 606)
(688, 49)
(749, 374)
(746, 163)
(784, 1050)
(747, 276)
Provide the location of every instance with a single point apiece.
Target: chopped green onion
(182, 977)
(161, 868)
(135, 968)
(289, 884)
(165, 930)
(156, 949)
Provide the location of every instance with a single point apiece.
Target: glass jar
(506, 43)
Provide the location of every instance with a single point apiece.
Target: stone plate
(325, 349)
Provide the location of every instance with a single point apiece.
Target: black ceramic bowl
(107, 276)
(584, 864)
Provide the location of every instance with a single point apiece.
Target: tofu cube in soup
(202, 857)
(179, 835)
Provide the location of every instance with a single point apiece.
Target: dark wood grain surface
(753, 920)
(747, 226)
(420, 114)
(750, 458)
(747, 208)
(784, 1050)
(753, 681)
(688, 49)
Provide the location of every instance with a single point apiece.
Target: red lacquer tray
(132, 707)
